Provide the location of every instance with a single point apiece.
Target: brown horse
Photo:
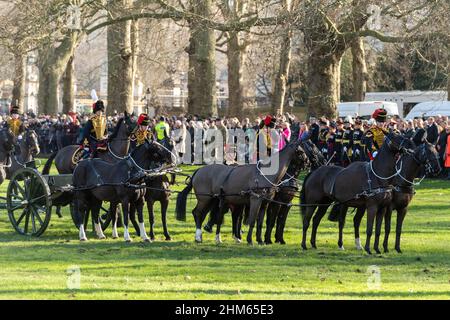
(245, 185)
(369, 187)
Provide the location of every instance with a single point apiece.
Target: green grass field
(180, 269)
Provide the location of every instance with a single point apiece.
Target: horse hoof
(268, 242)
(368, 251)
(168, 239)
(386, 250)
(313, 246)
(83, 240)
(377, 251)
(147, 240)
(261, 243)
(128, 240)
(304, 247)
(341, 248)
(237, 240)
(398, 250)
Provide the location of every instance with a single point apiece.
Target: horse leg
(401, 213)
(95, 217)
(378, 225)
(356, 223)
(260, 222)
(342, 216)
(255, 205)
(80, 211)
(272, 213)
(321, 211)
(371, 213)
(281, 223)
(200, 211)
(306, 221)
(237, 220)
(113, 213)
(151, 217)
(132, 217)
(387, 229)
(164, 206)
(219, 224)
(125, 210)
(140, 210)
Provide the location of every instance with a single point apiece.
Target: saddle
(81, 154)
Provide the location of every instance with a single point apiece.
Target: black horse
(278, 211)
(28, 149)
(96, 180)
(158, 190)
(359, 184)
(424, 156)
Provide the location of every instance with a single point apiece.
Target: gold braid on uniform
(14, 125)
(140, 136)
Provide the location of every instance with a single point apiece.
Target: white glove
(324, 150)
(375, 154)
(357, 152)
(345, 149)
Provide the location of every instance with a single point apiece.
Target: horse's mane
(116, 129)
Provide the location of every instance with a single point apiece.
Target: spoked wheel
(28, 202)
(105, 217)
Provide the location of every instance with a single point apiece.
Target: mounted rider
(141, 133)
(94, 136)
(376, 133)
(15, 124)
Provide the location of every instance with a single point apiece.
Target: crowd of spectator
(341, 140)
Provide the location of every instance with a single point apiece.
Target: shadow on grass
(242, 292)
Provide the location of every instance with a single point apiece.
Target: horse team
(248, 191)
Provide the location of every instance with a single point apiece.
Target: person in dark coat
(432, 131)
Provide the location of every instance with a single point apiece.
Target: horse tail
(335, 213)
(180, 209)
(303, 196)
(49, 162)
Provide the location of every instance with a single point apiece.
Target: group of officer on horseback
(94, 136)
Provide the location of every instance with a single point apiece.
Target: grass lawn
(180, 269)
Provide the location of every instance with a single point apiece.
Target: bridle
(427, 163)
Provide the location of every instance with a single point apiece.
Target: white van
(365, 109)
(429, 109)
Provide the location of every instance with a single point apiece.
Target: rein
(270, 182)
(390, 177)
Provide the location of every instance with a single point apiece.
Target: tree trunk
(68, 96)
(202, 68)
(323, 85)
(235, 75)
(135, 50)
(120, 61)
(18, 94)
(448, 84)
(279, 91)
(52, 64)
(359, 70)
